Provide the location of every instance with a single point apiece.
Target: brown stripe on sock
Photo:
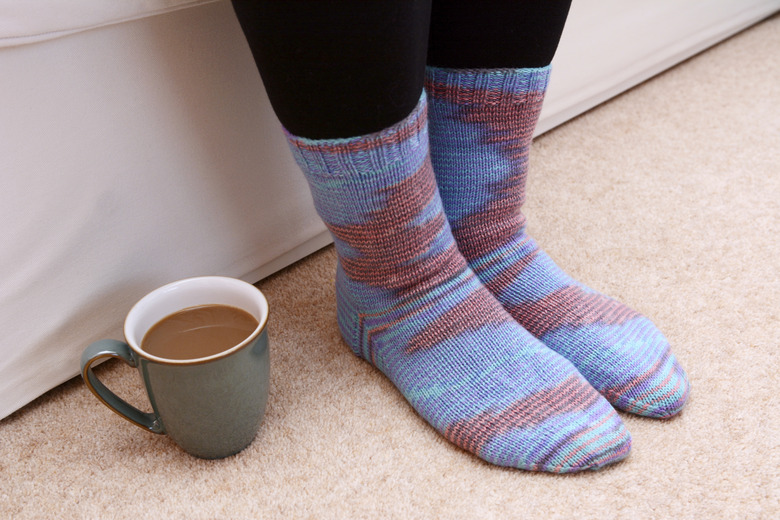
(570, 306)
(570, 396)
(477, 310)
(393, 248)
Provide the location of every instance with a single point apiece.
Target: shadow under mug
(211, 407)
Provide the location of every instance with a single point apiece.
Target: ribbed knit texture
(409, 304)
(482, 123)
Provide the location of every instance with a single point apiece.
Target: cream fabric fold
(33, 21)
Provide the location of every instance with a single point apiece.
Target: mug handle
(120, 350)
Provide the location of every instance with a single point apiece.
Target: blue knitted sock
(409, 304)
(482, 123)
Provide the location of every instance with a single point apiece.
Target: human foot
(482, 123)
(409, 304)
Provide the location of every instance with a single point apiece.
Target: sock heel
(348, 316)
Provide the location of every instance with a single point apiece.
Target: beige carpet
(667, 197)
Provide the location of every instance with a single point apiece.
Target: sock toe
(660, 393)
(566, 428)
(631, 364)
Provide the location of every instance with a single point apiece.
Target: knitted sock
(409, 304)
(482, 123)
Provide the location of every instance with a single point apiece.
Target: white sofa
(137, 147)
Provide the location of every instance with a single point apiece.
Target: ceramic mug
(211, 407)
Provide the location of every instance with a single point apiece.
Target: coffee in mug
(198, 332)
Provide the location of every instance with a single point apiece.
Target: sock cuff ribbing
(406, 141)
(485, 86)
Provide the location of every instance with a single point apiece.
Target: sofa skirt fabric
(133, 155)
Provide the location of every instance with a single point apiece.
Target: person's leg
(495, 33)
(483, 113)
(338, 68)
(407, 301)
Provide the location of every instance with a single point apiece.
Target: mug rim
(134, 310)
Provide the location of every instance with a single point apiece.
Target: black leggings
(343, 68)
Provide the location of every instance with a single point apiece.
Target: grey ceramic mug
(212, 407)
